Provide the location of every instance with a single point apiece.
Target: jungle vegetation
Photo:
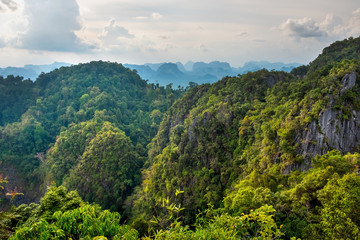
(98, 153)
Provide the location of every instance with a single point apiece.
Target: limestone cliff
(330, 131)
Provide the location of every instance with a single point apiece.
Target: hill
(36, 115)
(241, 142)
(264, 155)
(31, 71)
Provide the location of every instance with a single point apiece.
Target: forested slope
(64, 103)
(263, 155)
(248, 141)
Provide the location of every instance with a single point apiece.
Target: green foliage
(2, 181)
(302, 199)
(38, 215)
(194, 148)
(70, 146)
(258, 224)
(58, 199)
(63, 215)
(167, 213)
(249, 153)
(74, 94)
(336, 52)
(246, 197)
(340, 214)
(107, 170)
(85, 222)
(235, 139)
(66, 107)
(16, 95)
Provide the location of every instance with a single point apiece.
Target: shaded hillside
(69, 96)
(263, 155)
(16, 95)
(260, 127)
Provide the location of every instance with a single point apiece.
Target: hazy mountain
(257, 65)
(18, 71)
(200, 72)
(166, 73)
(31, 71)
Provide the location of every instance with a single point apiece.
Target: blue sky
(139, 31)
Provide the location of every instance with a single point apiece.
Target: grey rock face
(270, 81)
(330, 131)
(348, 82)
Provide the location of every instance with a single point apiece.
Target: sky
(151, 31)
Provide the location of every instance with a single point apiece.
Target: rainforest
(92, 151)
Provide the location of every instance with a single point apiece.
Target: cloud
(113, 32)
(10, 4)
(331, 28)
(302, 28)
(354, 23)
(203, 48)
(154, 16)
(51, 26)
(331, 23)
(241, 34)
(259, 40)
(2, 43)
(141, 18)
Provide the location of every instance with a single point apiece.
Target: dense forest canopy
(63, 110)
(262, 155)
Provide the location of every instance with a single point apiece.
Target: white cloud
(331, 28)
(141, 18)
(156, 15)
(10, 4)
(203, 48)
(354, 23)
(112, 33)
(242, 34)
(51, 26)
(302, 28)
(2, 43)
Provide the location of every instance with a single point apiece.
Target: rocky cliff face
(330, 131)
(15, 184)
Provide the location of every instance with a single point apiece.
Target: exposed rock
(16, 184)
(191, 130)
(348, 81)
(330, 131)
(270, 80)
(206, 117)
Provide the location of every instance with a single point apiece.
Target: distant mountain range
(31, 71)
(167, 73)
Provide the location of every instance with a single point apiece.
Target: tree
(341, 213)
(63, 215)
(108, 169)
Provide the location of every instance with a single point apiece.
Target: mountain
(200, 72)
(216, 68)
(258, 65)
(17, 71)
(31, 71)
(247, 141)
(97, 98)
(265, 154)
